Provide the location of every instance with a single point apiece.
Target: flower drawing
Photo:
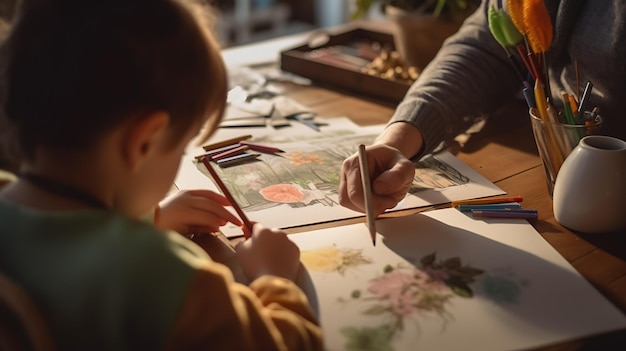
(299, 158)
(333, 259)
(404, 293)
(283, 193)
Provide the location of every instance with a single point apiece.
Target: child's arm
(270, 314)
(194, 212)
(219, 314)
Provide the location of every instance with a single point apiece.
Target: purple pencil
(521, 214)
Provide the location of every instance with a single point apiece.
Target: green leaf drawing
(368, 339)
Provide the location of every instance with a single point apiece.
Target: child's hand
(194, 212)
(268, 251)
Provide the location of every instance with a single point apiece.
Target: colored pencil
(216, 151)
(246, 222)
(261, 148)
(502, 206)
(491, 200)
(237, 159)
(521, 214)
(367, 193)
(226, 142)
(232, 152)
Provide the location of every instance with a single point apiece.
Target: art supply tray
(341, 60)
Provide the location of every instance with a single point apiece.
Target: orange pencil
(573, 105)
(491, 200)
(226, 142)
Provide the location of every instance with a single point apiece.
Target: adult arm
(470, 77)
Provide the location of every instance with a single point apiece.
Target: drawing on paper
(333, 259)
(431, 173)
(309, 175)
(408, 291)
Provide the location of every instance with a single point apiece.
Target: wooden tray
(302, 61)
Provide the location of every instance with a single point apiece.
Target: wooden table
(504, 152)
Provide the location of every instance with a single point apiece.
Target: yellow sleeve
(6, 178)
(220, 314)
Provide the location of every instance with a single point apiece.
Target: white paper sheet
(523, 293)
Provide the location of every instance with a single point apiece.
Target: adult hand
(194, 212)
(268, 252)
(391, 177)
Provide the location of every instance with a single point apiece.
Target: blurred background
(245, 21)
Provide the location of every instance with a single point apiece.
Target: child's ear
(144, 135)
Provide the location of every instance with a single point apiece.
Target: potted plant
(420, 26)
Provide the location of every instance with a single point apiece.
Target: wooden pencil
(246, 222)
(367, 193)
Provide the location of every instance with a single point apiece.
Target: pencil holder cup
(556, 140)
(590, 189)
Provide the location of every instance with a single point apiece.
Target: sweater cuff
(427, 120)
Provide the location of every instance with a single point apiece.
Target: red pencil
(260, 148)
(217, 151)
(247, 230)
(232, 152)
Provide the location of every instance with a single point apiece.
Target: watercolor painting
(299, 186)
(441, 280)
(333, 259)
(403, 293)
(309, 175)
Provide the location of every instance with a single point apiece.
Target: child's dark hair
(74, 69)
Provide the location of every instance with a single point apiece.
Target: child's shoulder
(99, 263)
(100, 241)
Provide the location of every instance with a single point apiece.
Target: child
(99, 100)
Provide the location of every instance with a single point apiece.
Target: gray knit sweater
(471, 76)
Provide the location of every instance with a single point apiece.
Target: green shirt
(101, 280)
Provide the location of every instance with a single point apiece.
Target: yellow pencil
(542, 109)
(540, 100)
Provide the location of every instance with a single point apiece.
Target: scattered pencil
(217, 151)
(226, 142)
(237, 159)
(517, 214)
(229, 153)
(491, 200)
(502, 206)
(261, 148)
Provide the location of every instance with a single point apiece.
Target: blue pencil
(520, 214)
(502, 206)
(237, 159)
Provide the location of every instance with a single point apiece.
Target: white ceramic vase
(590, 187)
